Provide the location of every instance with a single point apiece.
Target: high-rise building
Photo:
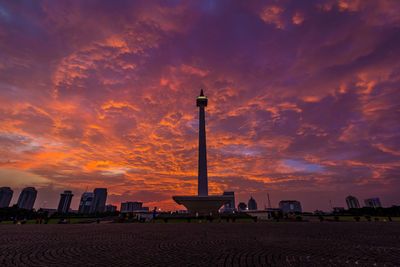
(230, 206)
(27, 198)
(111, 208)
(86, 202)
(252, 204)
(289, 206)
(133, 207)
(242, 206)
(352, 202)
(5, 196)
(99, 200)
(65, 202)
(373, 202)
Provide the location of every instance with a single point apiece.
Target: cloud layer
(304, 99)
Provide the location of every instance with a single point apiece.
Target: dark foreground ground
(209, 244)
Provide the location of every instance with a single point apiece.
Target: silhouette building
(65, 202)
(373, 202)
(242, 206)
(229, 206)
(5, 196)
(202, 203)
(252, 204)
(99, 200)
(352, 202)
(27, 198)
(338, 209)
(86, 202)
(132, 207)
(290, 206)
(111, 208)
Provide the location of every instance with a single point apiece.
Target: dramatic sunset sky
(304, 99)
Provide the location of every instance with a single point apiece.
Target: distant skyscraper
(133, 206)
(65, 202)
(288, 206)
(231, 205)
(99, 200)
(111, 208)
(5, 196)
(373, 202)
(352, 202)
(86, 202)
(252, 204)
(242, 206)
(27, 198)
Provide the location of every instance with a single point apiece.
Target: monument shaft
(203, 179)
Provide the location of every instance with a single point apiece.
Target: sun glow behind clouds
(18, 178)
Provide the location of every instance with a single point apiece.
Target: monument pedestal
(203, 205)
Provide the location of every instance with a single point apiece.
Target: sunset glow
(304, 99)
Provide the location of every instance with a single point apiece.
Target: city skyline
(91, 209)
(305, 100)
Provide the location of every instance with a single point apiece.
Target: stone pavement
(207, 244)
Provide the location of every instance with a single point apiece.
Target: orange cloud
(272, 15)
(298, 18)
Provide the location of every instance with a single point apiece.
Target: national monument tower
(202, 203)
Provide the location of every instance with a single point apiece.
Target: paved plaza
(202, 244)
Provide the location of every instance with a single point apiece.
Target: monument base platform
(203, 205)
